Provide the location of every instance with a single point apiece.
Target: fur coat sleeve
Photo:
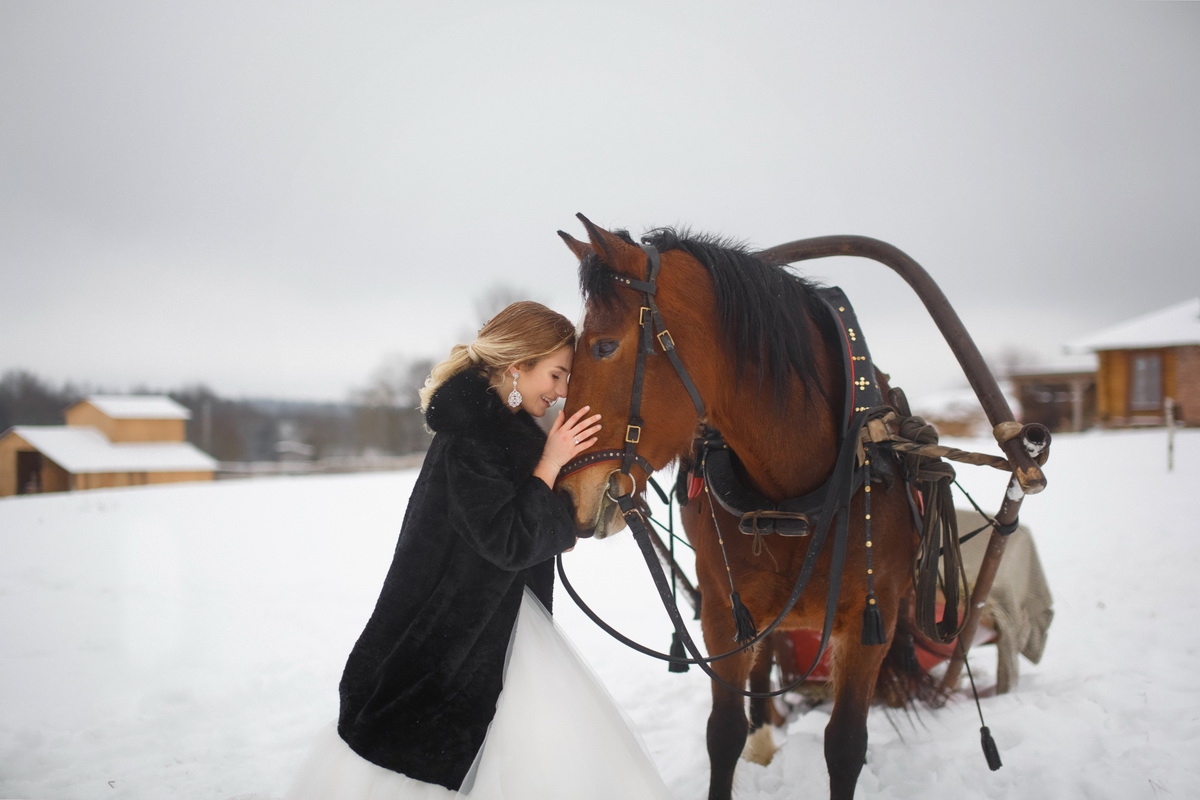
(501, 520)
(420, 686)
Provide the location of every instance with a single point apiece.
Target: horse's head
(606, 359)
(753, 339)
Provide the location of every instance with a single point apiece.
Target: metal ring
(608, 490)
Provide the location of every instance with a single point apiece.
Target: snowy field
(186, 642)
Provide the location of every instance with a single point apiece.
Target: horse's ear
(581, 249)
(620, 256)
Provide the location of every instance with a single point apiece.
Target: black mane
(761, 307)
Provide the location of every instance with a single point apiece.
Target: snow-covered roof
(82, 449)
(1066, 364)
(1171, 327)
(119, 406)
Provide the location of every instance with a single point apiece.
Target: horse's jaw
(609, 519)
(596, 514)
(604, 521)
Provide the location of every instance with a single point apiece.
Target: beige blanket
(1019, 605)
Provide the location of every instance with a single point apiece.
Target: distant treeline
(382, 419)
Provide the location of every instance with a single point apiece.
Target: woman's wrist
(547, 471)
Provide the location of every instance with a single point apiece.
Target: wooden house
(1146, 364)
(1062, 398)
(108, 441)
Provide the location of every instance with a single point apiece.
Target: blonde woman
(460, 683)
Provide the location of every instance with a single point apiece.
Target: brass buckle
(668, 343)
(642, 315)
(633, 434)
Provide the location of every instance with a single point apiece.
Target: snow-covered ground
(186, 641)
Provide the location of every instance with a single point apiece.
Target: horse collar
(794, 516)
(862, 384)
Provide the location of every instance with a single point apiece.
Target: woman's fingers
(574, 419)
(583, 432)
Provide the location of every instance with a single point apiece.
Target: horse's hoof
(760, 746)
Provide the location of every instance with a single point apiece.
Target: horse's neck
(785, 452)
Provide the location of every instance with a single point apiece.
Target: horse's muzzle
(569, 501)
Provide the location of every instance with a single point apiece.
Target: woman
(463, 613)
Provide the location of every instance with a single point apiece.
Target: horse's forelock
(595, 277)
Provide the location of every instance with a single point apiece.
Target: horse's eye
(604, 348)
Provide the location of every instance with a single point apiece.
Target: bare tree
(26, 399)
(495, 298)
(389, 418)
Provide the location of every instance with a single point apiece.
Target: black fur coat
(420, 686)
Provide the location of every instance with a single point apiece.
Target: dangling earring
(514, 397)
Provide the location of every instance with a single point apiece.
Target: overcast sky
(275, 198)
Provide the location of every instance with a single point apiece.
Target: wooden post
(1170, 416)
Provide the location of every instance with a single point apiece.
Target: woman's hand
(566, 439)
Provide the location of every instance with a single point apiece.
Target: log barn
(107, 441)
(1148, 368)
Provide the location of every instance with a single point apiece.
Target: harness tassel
(743, 623)
(677, 651)
(990, 751)
(872, 630)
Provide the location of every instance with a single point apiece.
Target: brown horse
(766, 363)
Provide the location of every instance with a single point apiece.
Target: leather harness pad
(717, 463)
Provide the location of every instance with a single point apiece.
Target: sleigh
(1016, 618)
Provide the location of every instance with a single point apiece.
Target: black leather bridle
(654, 329)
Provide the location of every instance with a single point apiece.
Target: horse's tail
(903, 682)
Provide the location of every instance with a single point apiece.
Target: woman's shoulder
(462, 404)
(466, 407)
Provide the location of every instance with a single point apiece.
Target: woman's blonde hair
(523, 333)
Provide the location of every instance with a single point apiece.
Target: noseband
(654, 329)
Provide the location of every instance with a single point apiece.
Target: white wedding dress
(556, 734)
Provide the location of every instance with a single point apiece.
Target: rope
(913, 435)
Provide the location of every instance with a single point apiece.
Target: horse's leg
(760, 681)
(727, 727)
(856, 668)
(760, 746)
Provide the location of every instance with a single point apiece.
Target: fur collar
(466, 402)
